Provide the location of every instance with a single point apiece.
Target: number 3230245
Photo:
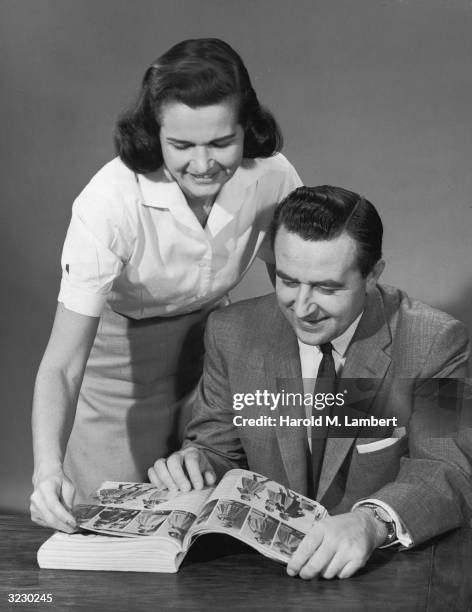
(29, 597)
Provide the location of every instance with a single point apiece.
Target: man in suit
(330, 326)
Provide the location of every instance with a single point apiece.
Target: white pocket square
(370, 447)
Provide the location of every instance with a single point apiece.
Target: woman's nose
(201, 161)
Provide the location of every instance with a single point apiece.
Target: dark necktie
(325, 383)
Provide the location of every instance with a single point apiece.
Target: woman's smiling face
(202, 147)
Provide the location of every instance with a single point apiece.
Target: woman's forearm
(57, 388)
(55, 397)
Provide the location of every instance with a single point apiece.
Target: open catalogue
(138, 527)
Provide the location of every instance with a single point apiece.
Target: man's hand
(337, 546)
(51, 500)
(182, 470)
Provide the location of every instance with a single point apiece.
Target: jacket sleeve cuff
(403, 536)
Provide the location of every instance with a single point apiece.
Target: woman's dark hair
(325, 212)
(197, 73)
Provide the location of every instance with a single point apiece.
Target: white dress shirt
(134, 241)
(310, 359)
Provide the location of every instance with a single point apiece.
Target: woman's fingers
(46, 507)
(67, 493)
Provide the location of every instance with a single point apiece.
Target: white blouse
(134, 242)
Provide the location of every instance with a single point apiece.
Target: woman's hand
(56, 390)
(51, 500)
(183, 470)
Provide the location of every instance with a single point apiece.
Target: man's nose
(305, 304)
(201, 161)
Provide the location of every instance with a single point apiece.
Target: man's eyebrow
(219, 140)
(284, 276)
(323, 283)
(329, 283)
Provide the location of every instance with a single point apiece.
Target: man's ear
(375, 274)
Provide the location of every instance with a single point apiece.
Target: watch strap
(384, 517)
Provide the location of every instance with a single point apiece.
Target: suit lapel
(367, 358)
(283, 373)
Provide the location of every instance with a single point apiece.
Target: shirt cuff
(403, 536)
(90, 304)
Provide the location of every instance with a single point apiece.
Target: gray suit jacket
(400, 346)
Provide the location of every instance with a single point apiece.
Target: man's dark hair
(325, 212)
(197, 72)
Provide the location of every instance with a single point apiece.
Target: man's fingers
(192, 465)
(210, 477)
(349, 569)
(154, 478)
(182, 470)
(161, 475)
(336, 546)
(198, 468)
(318, 562)
(304, 552)
(335, 566)
(346, 555)
(176, 471)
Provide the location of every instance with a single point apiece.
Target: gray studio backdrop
(372, 95)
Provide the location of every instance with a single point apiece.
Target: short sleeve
(96, 248)
(288, 180)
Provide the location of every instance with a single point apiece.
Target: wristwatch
(383, 517)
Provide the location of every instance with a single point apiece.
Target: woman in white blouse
(157, 239)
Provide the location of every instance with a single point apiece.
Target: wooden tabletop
(222, 574)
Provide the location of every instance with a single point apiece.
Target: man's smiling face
(319, 286)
